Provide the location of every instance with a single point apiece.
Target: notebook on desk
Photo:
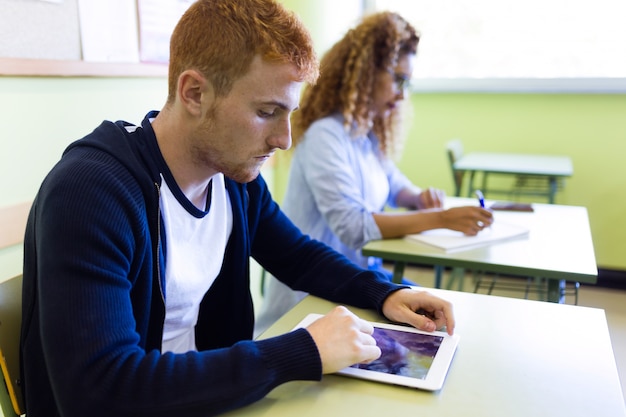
(453, 241)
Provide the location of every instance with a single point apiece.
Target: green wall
(589, 128)
(40, 116)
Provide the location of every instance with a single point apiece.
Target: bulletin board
(39, 29)
(43, 38)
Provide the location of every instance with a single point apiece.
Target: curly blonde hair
(348, 73)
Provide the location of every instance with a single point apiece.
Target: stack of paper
(451, 240)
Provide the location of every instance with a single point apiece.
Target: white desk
(559, 247)
(553, 168)
(516, 358)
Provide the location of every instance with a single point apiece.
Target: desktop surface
(516, 358)
(511, 163)
(558, 246)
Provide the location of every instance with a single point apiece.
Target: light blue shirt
(335, 184)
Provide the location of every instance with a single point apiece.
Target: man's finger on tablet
(441, 321)
(435, 320)
(441, 312)
(365, 326)
(372, 353)
(423, 322)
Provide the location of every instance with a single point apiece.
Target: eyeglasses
(401, 81)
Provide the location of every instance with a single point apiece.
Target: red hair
(219, 38)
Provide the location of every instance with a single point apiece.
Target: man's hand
(420, 309)
(343, 339)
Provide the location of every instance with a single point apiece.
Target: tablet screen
(409, 356)
(403, 353)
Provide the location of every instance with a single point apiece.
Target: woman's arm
(416, 198)
(469, 220)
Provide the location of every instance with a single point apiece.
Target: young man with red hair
(136, 290)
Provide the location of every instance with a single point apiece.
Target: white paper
(157, 20)
(108, 30)
(453, 241)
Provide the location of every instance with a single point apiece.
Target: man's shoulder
(105, 159)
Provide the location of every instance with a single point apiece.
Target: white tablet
(410, 357)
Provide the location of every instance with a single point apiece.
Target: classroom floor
(612, 301)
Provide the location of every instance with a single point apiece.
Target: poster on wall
(108, 30)
(157, 19)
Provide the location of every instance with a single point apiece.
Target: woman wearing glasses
(345, 133)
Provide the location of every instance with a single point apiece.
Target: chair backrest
(13, 223)
(10, 323)
(454, 149)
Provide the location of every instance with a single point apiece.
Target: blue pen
(481, 198)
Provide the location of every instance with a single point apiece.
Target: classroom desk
(553, 168)
(559, 247)
(516, 358)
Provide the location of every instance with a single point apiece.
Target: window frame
(575, 85)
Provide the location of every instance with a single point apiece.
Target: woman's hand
(468, 219)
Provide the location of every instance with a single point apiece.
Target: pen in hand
(481, 198)
(481, 201)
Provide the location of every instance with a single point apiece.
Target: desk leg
(457, 276)
(438, 275)
(556, 293)
(484, 189)
(398, 272)
(553, 189)
(470, 187)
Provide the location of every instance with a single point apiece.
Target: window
(502, 45)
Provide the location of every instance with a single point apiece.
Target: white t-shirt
(195, 245)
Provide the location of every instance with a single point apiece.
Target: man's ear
(192, 85)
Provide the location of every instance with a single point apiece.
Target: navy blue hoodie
(94, 301)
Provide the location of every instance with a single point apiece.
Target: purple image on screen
(403, 353)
